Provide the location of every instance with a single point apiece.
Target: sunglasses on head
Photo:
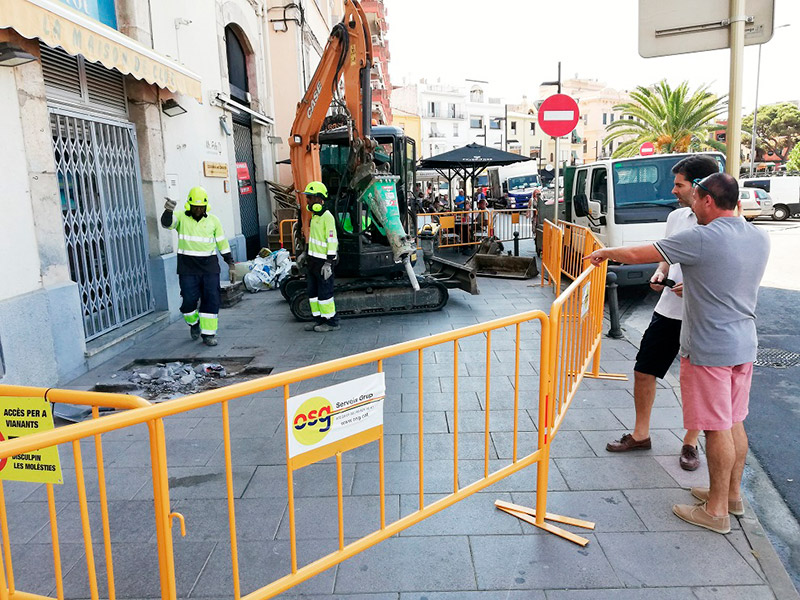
(699, 183)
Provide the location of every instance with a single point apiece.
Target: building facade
(107, 112)
(381, 83)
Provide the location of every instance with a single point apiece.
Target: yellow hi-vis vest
(322, 239)
(199, 238)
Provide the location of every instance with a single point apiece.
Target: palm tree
(675, 120)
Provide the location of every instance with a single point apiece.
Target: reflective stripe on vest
(322, 239)
(199, 238)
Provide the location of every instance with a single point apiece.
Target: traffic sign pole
(555, 187)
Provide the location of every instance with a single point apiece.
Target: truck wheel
(780, 213)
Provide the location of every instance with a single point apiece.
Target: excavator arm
(348, 56)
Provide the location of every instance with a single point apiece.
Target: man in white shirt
(661, 341)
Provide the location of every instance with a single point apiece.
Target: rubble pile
(172, 379)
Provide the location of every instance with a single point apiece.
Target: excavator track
(375, 297)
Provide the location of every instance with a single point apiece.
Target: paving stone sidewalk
(470, 551)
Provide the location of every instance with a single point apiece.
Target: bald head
(722, 188)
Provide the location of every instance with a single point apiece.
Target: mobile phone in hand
(667, 283)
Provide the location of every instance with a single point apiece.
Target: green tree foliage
(674, 119)
(793, 160)
(777, 127)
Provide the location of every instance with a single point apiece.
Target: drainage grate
(777, 358)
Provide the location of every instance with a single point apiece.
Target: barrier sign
(585, 298)
(333, 414)
(23, 416)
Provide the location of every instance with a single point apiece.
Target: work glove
(232, 272)
(301, 260)
(327, 270)
(170, 205)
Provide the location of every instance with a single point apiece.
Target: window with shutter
(72, 81)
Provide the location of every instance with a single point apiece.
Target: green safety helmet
(198, 196)
(315, 190)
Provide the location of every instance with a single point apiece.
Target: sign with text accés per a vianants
(20, 416)
(332, 414)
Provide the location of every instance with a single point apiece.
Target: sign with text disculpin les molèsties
(21, 416)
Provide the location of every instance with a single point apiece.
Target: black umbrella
(469, 161)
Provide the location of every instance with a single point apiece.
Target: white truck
(512, 185)
(785, 193)
(624, 201)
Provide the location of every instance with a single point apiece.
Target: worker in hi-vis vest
(321, 256)
(200, 235)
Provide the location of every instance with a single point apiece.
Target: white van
(625, 202)
(785, 193)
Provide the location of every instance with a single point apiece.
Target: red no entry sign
(647, 149)
(558, 115)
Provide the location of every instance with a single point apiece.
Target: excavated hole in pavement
(162, 379)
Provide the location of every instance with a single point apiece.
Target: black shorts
(660, 345)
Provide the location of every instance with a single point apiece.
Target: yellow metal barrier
(552, 247)
(568, 342)
(284, 235)
(73, 434)
(459, 228)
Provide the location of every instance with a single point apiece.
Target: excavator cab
(364, 248)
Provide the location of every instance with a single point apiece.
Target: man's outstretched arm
(629, 255)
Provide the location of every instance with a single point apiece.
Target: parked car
(755, 203)
(784, 192)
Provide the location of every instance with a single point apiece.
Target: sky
(516, 44)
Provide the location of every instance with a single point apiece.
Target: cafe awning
(57, 25)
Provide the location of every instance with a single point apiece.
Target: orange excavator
(369, 172)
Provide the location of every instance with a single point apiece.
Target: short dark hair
(724, 190)
(696, 167)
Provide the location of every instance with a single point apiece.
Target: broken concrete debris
(168, 380)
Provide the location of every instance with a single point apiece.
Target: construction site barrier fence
(552, 248)
(550, 354)
(469, 227)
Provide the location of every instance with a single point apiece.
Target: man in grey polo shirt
(723, 260)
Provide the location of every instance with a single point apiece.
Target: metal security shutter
(72, 82)
(97, 165)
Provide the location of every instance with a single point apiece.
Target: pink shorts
(714, 398)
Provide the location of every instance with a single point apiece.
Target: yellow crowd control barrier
(558, 350)
(552, 247)
(459, 228)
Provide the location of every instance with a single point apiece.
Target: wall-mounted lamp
(171, 108)
(223, 122)
(12, 56)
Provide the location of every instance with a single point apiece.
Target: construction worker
(200, 235)
(321, 256)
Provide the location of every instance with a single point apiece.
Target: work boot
(194, 331)
(325, 327)
(210, 340)
(310, 326)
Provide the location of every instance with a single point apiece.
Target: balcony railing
(443, 114)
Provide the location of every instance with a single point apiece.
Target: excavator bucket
(489, 261)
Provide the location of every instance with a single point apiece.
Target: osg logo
(312, 421)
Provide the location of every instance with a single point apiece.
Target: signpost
(684, 26)
(558, 116)
(647, 149)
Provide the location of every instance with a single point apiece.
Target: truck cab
(512, 185)
(625, 202)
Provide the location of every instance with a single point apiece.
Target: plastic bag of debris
(266, 273)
